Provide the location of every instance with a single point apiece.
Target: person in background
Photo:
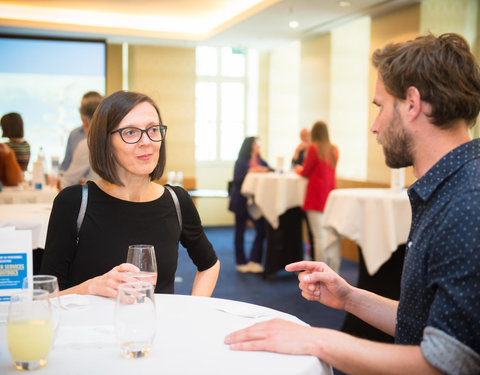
(12, 128)
(248, 160)
(79, 169)
(77, 134)
(428, 94)
(10, 172)
(301, 150)
(319, 167)
(127, 150)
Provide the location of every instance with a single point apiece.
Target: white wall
(215, 175)
(349, 72)
(284, 103)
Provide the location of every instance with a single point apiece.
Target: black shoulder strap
(177, 205)
(83, 208)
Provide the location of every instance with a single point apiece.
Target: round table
(275, 193)
(279, 198)
(189, 339)
(378, 220)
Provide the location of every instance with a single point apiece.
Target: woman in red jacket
(319, 167)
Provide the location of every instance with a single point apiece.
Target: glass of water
(143, 256)
(29, 329)
(48, 283)
(135, 318)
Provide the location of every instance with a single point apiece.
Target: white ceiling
(261, 24)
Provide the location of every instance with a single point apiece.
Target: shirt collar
(446, 166)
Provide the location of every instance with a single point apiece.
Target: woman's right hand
(319, 282)
(107, 284)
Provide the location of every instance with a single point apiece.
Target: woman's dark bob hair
(12, 125)
(106, 118)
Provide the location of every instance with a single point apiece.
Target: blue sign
(13, 269)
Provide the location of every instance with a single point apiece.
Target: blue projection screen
(44, 80)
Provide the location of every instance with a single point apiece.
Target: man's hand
(319, 282)
(277, 335)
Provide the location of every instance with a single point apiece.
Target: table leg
(284, 245)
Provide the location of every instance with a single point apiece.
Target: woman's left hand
(107, 284)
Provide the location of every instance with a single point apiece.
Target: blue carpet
(280, 292)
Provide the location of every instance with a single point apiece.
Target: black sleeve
(60, 245)
(193, 237)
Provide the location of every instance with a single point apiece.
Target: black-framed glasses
(131, 134)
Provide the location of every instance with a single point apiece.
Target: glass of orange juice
(29, 329)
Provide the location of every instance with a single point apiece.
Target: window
(223, 84)
(44, 81)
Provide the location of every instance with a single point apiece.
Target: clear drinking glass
(143, 256)
(48, 283)
(29, 329)
(135, 318)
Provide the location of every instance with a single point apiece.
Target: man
(10, 172)
(79, 169)
(301, 149)
(428, 92)
(77, 134)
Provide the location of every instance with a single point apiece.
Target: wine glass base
(134, 350)
(30, 365)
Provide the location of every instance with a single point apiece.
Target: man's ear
(414, 103)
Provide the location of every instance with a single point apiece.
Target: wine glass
(48, 283)
(143, 256)
(135, 318)
(29, 328)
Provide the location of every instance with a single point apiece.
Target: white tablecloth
(274, 193)
(378, 220)
(189, 340)
(13, 195)
(28, 216)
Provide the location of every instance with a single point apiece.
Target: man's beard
(397, 144)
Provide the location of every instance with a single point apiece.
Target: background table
(13, 195)
(378, 220)
(189, 340)
(278, 197)
(28, 216)
(275, 193)
(32, 217)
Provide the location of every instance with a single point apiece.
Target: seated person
(127, 150)
(12, 128)
(10, 172)
(79, 169)
(77, 134)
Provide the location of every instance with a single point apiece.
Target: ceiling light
(344, 3)
(293, 24)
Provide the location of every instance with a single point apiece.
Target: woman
(10, 172)
(249, 160)
(319, 167)
(125, 207)
(12, 128)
